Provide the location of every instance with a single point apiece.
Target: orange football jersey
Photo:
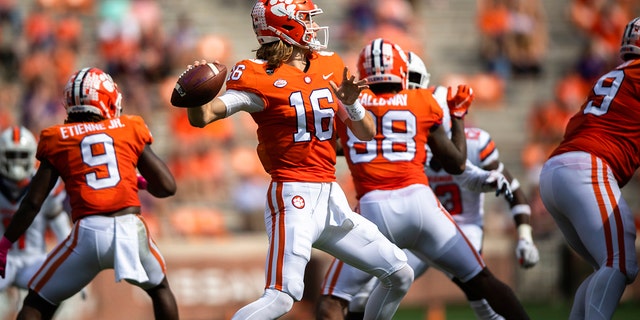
(97, 161)
(296, 129)
(395, 157)
(608, 124)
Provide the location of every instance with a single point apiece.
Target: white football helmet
(630, 40)
(418, 74)
(290, 21)
(17, 153)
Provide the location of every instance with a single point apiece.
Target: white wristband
(515, 184)
(524, 232)
(356, 111)
(521, 209)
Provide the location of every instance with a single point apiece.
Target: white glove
(526, 251)
(498, 181)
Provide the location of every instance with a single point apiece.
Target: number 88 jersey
(97, 162)
(395, 157)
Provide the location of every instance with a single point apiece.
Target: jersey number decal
(450, 196)
(398, 127)
(98, 151)
(605, 90)
(322, 117)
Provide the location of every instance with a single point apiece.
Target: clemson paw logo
(281, 7)
(298, 202)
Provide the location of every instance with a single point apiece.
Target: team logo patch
(298, 202)
(280, 83)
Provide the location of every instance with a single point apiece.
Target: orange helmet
(382, 61)
(290, 21)
(92, 90)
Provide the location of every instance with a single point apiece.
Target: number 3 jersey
(395, 157)
(608, 124)
(296, 128)
(464, 205)
(97, 162)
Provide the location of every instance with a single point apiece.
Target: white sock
(483, 310)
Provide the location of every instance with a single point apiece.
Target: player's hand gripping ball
(199, 85)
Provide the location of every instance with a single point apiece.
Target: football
(198, 85)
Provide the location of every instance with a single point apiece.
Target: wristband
(515, 184)
(356, 111)
(5, 244)
(520, 209)
(142, 182)
(524, 232)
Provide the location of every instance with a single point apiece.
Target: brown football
(199, 85)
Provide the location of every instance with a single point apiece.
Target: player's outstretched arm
(160, 180)
(479, 180)
(526, 251)
(359, 120)
(452, 155)
(41, 184)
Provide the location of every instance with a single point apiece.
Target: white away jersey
(32, 242)
(464, 205)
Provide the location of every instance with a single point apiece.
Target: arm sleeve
(241, 101)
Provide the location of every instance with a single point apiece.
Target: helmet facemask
(418, 77)
(17, 154)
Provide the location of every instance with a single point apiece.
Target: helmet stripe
(77, 85)
(630, 30)
(16, 134)
(378, 63)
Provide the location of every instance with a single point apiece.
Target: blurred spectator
(601, 20)
(249, 189)
(526, 41)
(183, 39)
(513, 36)
(493, 23)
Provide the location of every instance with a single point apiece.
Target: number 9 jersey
(97, 161)
(608, 122)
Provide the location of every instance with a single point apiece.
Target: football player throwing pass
(296, 92)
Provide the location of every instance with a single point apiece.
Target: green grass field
(626, 311)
